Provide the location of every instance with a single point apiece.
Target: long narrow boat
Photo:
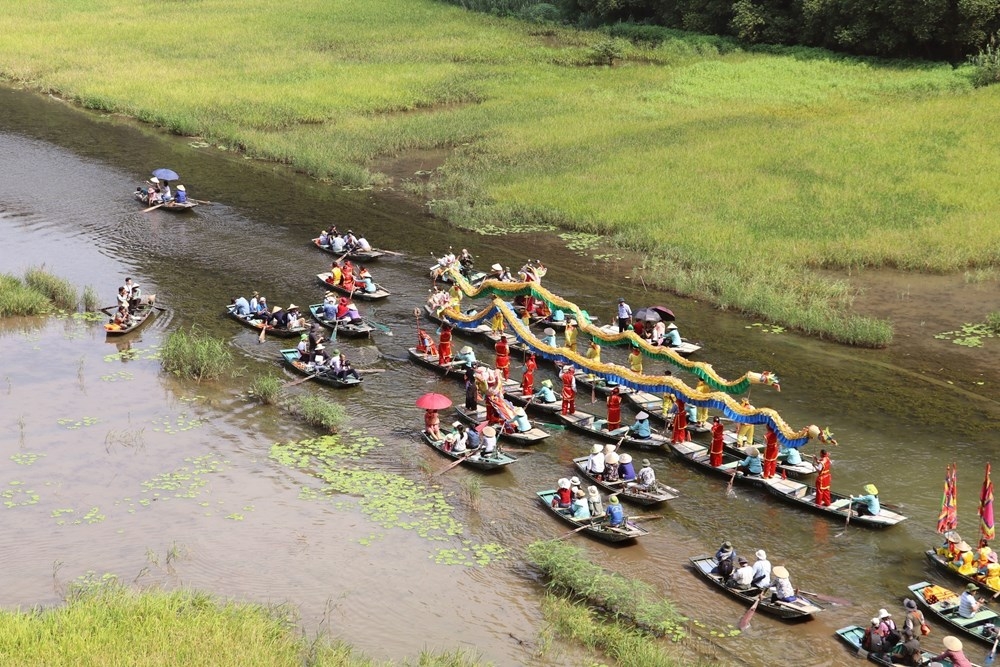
(804, 497)
(853, 634)
(256, 324)
(598, 385)
(512, 392)
(472, 458)
(658, 495)
(653, 405)
(596, 528)
(584, 422)
(801, 608)
(171, 206)
(439, 274)
(348, 329)
(291, 357)
(941, 563)
(981, 626)
(797, 471)
(482, 331)
(358, 293)
(686, 348)
(354, 255)
(698, 456)
(455, 368)
(141, 315)
(476, 417)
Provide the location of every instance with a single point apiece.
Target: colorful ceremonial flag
(948, 518)
(986, 508)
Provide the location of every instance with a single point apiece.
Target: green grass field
(738, 173)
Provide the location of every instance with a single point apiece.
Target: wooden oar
(744, 622)
(389, 252)
(378, 325)
(850, 511)
(201, 201)
(370, 370)
(147, 210)
(456, 463)
(729, 487)
(825, 598)
(299, 381)
(263, 331)
(992, 655)
(572, 532)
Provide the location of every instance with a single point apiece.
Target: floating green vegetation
(134, 353)
(235, 516)
(970, 335)
(93, 516)
(368, 541)
(117, 377)
(59, 513)
(190, 399)
(16, 495)
(179, 424)
(580, 242)
(73, 424)
(490, 229)
(766, 328)
(607, 257)
(388, 499)
(25, 458)
(88, 317)
(185, 482)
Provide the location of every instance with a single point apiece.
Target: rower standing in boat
(680, 433)
(503, 356)
(614, 409)
(568, 377)
(444, 345)
(718, 444)
(471, 390)
(823, 478)
(771, 452)
(528, 377)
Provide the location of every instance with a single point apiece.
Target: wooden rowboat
(172, 206)
(358, 293)
(596, 528)
(354, 255)
(653, 406)
(698, 456)
(291, 357)
(686, 348)
(853, 634)
(798, 471)
(477, 416)
(455, 368)
(438, 273)
(584, 422)
(802, 608)
(981, 626)
(599, 385)
(347, 329)
(941, 563)
(253, 323)
(512, 392)
(804, 497)
(656, 496)
(472, 458)
(139, 317)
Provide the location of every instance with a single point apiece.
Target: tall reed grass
(266, 388)
(318, 411)
(57, 290)
(196, 355)
(742, 171)
(16, 298)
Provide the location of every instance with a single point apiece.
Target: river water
(97, 443)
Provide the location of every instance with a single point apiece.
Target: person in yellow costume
(594, 352)
(992, 578)
(455, 295)
(571, 334)
(497, 323)
(744, 435)
(635, 360)
(335, 273)
(965, 563)
(702, 388)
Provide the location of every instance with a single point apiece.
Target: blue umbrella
(166, 175)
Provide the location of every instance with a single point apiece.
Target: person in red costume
(444, 345)
(770, 452)
(614, 409)
(680, 424)
(528, 379)
(715, 453)
(347, 276)
(823, 479)
(568, 377)
(503, 356)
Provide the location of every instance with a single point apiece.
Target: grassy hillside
(739, 172)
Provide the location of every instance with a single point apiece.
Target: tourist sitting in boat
(564, 495)
(351, 241)
(318, 358)
(595, 462)
(438, 300)
(611, 460)
(867, 505)
(521, 422)
(626, 471)
(545, 393)
(658, 333)
(426, 344)
(462, 437)
(614, 512)
(641, 429)
(550, 337)
(964, 562)
(432, 424)
(278, 318)
(122, 297)
(910, 653)
(646, 479)
(593, 351)
(303, 348)
(466, 261)
(242, 306)
(990, 575)
(496, 272)
(742, 578)
(580, 509)
(952, 652)
(673, 336)
(165, 194)
(725, 558)
(122, 318)
(324, 238)
(557, 315)
(347, 278)
(341, 369)
(347, 311)
(181, 195)
(752, 464)
(635, 359)
(153, 192)
(872, 640)
(949, 549)
(365, 278)
(489, 442)
(594, 502)
(968, 604)
(295, 318)
(337, 243)
(761, 570)
(783, 589)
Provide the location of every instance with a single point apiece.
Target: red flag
(986, 527)
(948, 518)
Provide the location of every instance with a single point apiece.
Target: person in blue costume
(641, 429)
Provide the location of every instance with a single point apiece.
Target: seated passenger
(615, 513)
(751, 465)
(867, 505)
(641, 428)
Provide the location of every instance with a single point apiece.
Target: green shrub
(607, 51)
(196, 355)
(91, 302)
(993, 322)
(57, 290)
(318, 411)
(16, 298)
(266, 388)
(986, 64)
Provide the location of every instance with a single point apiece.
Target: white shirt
(489, 444)
(967, 605)
(363, 244)
(762, 567)
(743, 576)
(595, 464)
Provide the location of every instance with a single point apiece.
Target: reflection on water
(173, 468)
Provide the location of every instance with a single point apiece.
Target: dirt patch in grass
(414, 165)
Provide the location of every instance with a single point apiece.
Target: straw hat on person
(671, 326)
(596, 449)
(611, 459)
(642, 415)
(490, 432)
(646, 463)
(497, 267)
(549, 331)
(871, 489)
(884, 613)
(154, 179)
(519, 411)
(726, 549)
(465, 350)
(964, 546)
(274, 309)
(613, 500)
(626, 458)
(580, 493)
(593, 493)
(609, 448)
(181, 188)
(780, 572)
(910, 604)
(572, 321)
(574, 480)
(563, 483)
(752, 451)
(547, 383)
(456, 424)
(292, 306)
(952, 643)
(320, 346)
(761, 554)
(875, 621)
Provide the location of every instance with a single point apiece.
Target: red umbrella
(433, 402)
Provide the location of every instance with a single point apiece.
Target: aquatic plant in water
(25, 458)
(766, 328)
(16, 495)
(73, 424)
(970, 335)
(177, 425)
(185, 482)
(388, 499)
